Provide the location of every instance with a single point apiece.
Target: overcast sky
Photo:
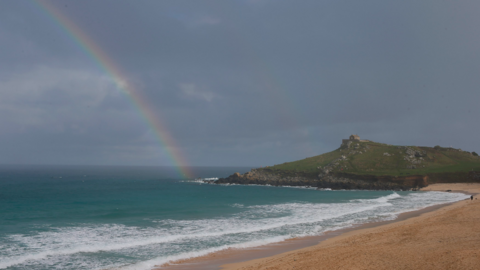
(247, 83)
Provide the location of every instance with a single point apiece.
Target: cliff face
(337, 181)
(266, 177)
(332, 181)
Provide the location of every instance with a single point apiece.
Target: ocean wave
(382, 199)
(179, 239)
(200, 180)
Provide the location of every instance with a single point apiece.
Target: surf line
(106, 64)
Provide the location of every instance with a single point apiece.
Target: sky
(233, 83)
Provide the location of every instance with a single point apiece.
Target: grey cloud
(237, 82)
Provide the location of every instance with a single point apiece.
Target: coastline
(445, 238)
(255, 258)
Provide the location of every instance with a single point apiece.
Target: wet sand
(272, 256)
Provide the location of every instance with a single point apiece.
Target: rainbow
(113, 70)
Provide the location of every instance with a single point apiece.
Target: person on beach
(471, 198)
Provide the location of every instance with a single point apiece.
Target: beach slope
(448, 238)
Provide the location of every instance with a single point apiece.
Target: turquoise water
(138, 217)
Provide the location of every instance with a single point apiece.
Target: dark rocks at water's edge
(322, 181)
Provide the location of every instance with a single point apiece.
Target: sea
(94, 217)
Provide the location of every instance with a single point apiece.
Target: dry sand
(447, 238)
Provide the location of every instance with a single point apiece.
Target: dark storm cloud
(237, 82)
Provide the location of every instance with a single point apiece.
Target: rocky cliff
(332, 181)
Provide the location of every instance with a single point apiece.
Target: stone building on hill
(351, 139)
(354, 138)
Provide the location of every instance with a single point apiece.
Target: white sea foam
(268, 185)
(201, 180)
(300, 187)
(172, 240)
(193, 254)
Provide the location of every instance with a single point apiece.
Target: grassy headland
(370, 165)
(372, 158)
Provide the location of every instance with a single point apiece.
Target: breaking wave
(113, 245)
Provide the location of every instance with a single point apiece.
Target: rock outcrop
(324, 180)
(414, 157)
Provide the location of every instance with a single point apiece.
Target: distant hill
(370, 165)
(382, 159)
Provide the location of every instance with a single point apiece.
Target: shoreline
(444, 238)
(236, 258)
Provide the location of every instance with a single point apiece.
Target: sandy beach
(446, 238)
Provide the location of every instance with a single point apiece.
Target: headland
(363, 164)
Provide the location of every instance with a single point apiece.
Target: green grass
(372, 161)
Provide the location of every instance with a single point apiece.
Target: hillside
(382, 159)
(358, 164)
